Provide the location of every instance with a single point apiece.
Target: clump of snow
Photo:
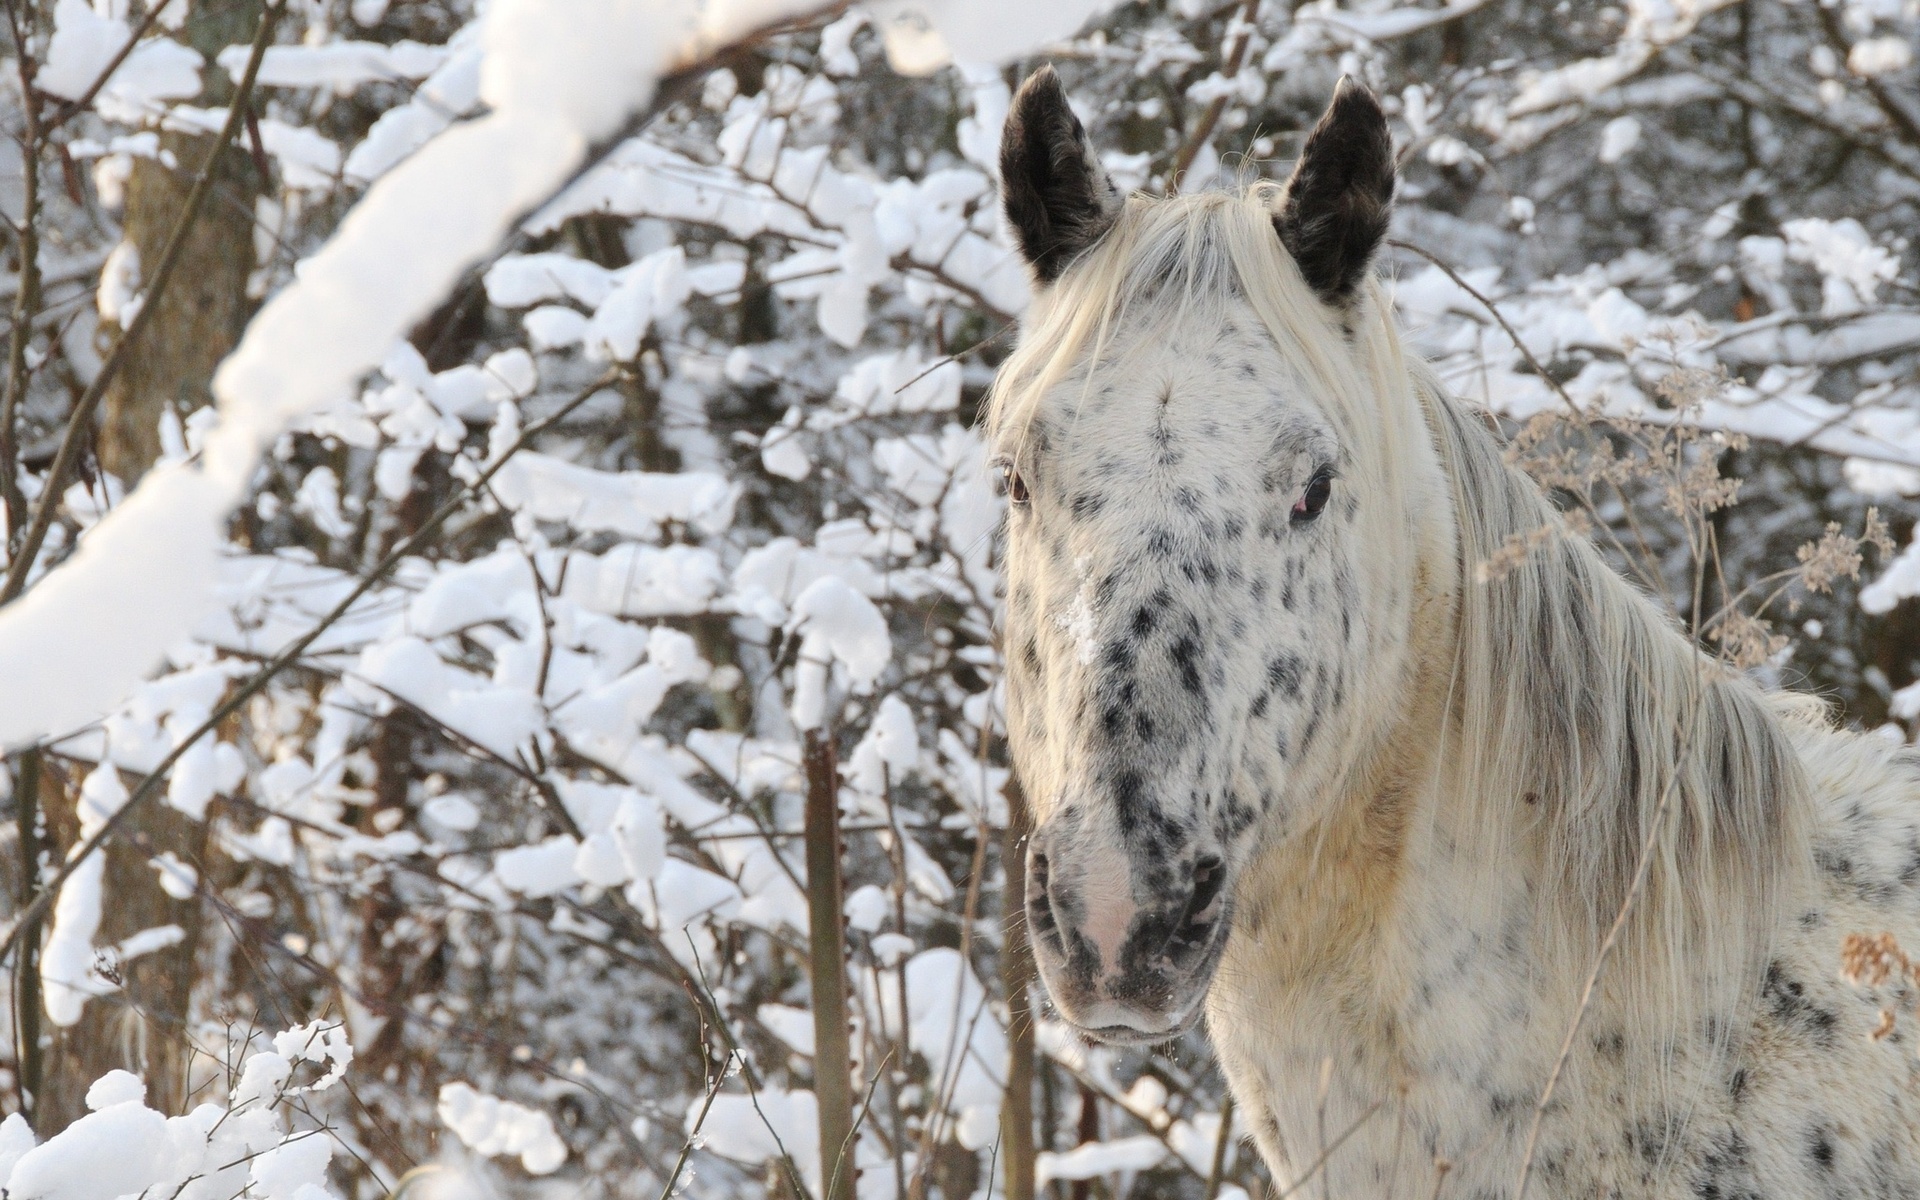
(1876, 56)
(123, 1148)
(83, 44)
(1094, 1159)
(758, 1129)
(341, 66)
(1851, 266)
(836, 625)
(1618, 139)
(495, 1128)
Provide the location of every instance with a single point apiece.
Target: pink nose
(1105, 905)
(1108, 919)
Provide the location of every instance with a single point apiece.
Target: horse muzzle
(1118, 970)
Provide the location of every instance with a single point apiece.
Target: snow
(755, 1129)
(498, 719)
(497, 1128)
(1899, 580)
(1873, 57)
(341, 66)
(635, 503)
(286, 1170)
(118, 296)
(950, 1023)
(115, 1087)
(116, 1151)
(67, 959)
(924, 35)
(177, 878)
(836, 625)
(1385, 26)
(867, 909)
(542, 869)
(453, 812)
(682, 894)
(74, 630)
(123, 1148)
(83, 44)
(1136, 1153)
(1618, 138)
(888, 752)
(1851, 266)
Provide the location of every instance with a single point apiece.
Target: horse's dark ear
(1336, 206)
(1058, 198)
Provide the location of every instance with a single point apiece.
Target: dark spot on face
(1185, 653)
(1284, 673)
(1143, 621)
(1087, 505)
(1129, 793)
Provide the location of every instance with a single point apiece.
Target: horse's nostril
(1040, 916)
(1202, 914)
(1209, 878)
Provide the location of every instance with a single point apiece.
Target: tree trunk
(205, 308)
(141, 1027)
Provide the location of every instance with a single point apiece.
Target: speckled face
(1181, 616)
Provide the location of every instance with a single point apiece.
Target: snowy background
(472, 471)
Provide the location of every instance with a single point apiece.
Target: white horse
(1295, 765)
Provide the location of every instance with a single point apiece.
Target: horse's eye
(1311, 501)
(1011, 485)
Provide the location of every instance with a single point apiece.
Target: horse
(1485, 884)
